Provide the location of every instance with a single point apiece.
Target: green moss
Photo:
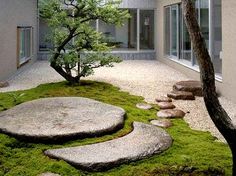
(192, 153)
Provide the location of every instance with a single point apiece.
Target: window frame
(27, 48)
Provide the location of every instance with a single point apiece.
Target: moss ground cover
(193, 152)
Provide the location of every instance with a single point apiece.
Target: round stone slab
(171, 113)
(144, 141)
(144, 106)
(164, 123)
(53, 119)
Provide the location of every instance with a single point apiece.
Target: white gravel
(139, 77)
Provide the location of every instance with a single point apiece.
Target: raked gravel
(146, 78)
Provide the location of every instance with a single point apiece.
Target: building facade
(134, 40)
(217, 22)
(18, 35)
(155, 31)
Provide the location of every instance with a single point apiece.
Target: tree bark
(59, 69)
(218, 115)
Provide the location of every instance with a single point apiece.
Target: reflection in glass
(174, 30)
(121, 37)
(186, 46)
(146, 29)
(217, 36)
(167, 31)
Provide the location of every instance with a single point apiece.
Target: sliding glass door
(174, 30)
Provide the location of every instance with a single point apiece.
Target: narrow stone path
(144, 141)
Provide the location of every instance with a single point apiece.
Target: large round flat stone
(144, 141)
(52, 119)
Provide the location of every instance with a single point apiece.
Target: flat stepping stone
(189, 86)
(166, 105)
(163, 99)
(49, 174)
(163, 123)
(171, 113)
(53, 119)
(144, 106)
(181, 95)
(144, 141)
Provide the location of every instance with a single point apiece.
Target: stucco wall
(14, 13)
(229, 48)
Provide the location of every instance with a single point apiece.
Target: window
(136, 34)
(122, 37)
(24, 44)
(146, 29)
(167, 31)
(177, 40)
(172, 30)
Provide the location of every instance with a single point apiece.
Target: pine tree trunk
(218, 115)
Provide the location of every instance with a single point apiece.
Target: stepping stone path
(166, 105)
(164, 123)
(53, 119)
(144, 106)
(163, 99)
(49, 174)
(144, 141)
(189, 86)
(171, 113)
(181, 95)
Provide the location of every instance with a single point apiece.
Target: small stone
(49, 174)
(171, 113)
(164, 123)
(144, 106)
(166, 105)
(189, 86)
(163, 99)
(181, 95)
(4, 84)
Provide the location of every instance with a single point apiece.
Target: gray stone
(164, 123)
(171, 113)
(166, 105)
(4, 84)
(189, 86)
(144, 141)
(163, 99)
(144, 106)
(53, 119)
(49, 174)
(181, 95)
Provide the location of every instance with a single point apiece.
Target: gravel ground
(144, 78)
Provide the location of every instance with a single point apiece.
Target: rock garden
(96, 129)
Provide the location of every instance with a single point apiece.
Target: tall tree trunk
(67, 75)
(218, 115)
